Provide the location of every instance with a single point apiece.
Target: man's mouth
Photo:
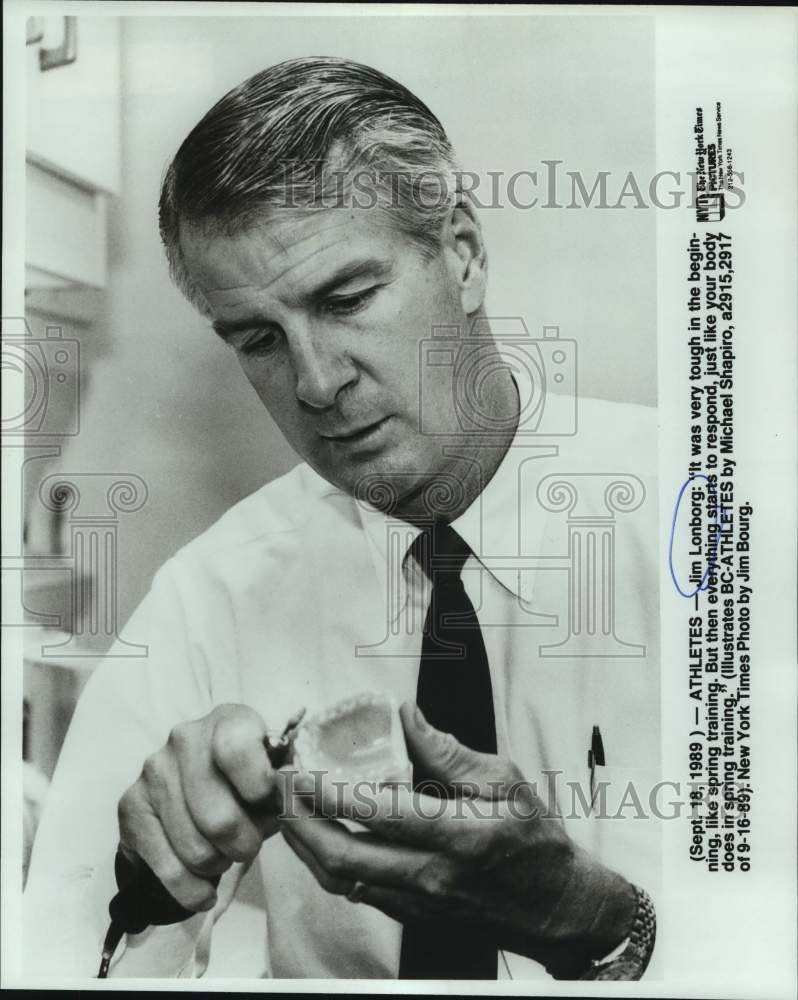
(356, 435)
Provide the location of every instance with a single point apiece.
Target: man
(315, 218)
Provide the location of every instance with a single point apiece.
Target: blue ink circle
(712, 562)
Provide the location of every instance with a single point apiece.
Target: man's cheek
(278, 398)
(289, 419)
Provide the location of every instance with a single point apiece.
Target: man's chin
(396, 487)
(376, 477)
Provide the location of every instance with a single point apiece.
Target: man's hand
(489, 854)
(204, 800)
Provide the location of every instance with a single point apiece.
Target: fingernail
(418, 715)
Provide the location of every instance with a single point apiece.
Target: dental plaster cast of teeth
(359, 739)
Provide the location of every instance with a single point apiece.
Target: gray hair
(309, 133)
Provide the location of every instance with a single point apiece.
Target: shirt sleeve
(125, 714)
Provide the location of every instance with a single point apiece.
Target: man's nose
(322, 368)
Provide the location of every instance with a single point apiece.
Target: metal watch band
(633, 960)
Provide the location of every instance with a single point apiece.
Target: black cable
(112, 939)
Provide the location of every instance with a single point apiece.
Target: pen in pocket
(595, 758)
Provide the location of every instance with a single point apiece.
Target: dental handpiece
(142, 900)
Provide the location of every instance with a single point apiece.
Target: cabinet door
(65, 232)
(73, 110)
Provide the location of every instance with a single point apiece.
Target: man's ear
(467, 255)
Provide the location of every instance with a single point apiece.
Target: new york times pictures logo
(714, 173)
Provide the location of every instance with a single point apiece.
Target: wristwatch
(631, 957)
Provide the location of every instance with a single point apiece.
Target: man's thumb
(443, 758)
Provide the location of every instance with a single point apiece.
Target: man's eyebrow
(228, 328)
(370, 267)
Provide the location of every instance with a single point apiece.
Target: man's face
(326, 311)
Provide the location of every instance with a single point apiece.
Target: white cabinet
(72, 147)
(65, 232)
(73, 110)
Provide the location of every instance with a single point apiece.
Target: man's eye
(345, 305)
(260, 343)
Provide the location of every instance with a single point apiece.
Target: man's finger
(398, 814)
(195, 851)
(451, 762)
(351, 856)
(141, 833)
(218, 815)
(399, 904)
(387, 810)
(239, 752)
(330, 884)
(396, 903)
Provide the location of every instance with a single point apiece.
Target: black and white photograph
(399, 498)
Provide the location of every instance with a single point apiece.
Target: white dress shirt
(300, 595)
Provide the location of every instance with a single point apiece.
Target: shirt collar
(501, 526)
(389, 540)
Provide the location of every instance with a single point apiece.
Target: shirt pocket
(623, 829)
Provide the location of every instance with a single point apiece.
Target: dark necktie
(455, 695)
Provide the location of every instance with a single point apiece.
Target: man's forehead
(287, 247)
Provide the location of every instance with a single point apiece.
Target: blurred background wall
(165, 399)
